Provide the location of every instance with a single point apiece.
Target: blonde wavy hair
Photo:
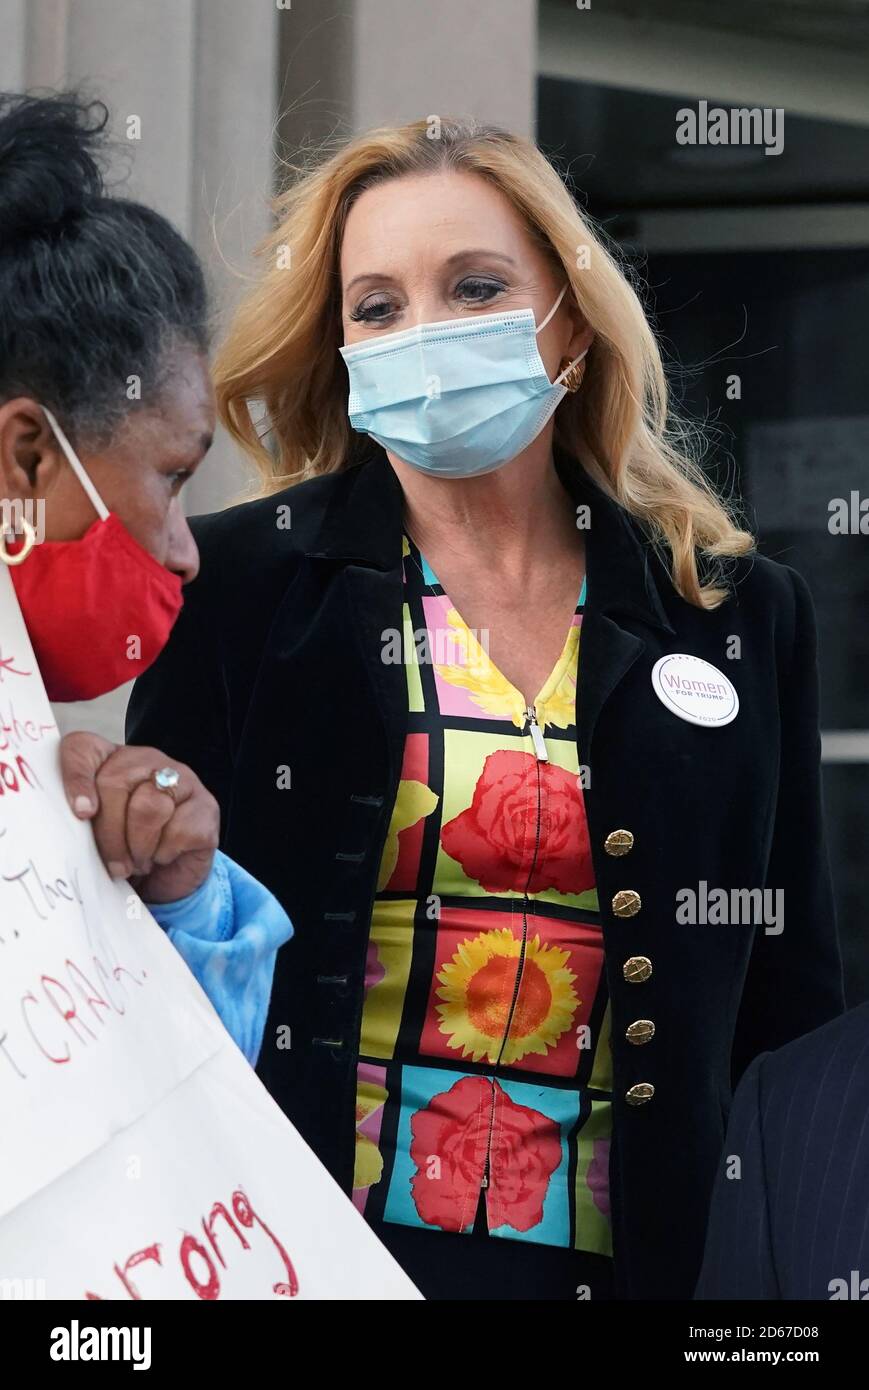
(281, 352)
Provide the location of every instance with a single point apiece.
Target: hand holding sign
(163, 839)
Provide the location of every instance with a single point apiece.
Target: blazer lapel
(375, 598)
(362, 533)
(621, 596)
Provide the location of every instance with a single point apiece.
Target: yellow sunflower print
(477, 988)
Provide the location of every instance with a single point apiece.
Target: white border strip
(845, 746)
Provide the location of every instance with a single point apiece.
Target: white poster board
(140, 1155)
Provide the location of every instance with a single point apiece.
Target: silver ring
(166, 779)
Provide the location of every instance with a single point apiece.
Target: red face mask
(98, 610)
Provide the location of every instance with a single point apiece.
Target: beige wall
(347, 66)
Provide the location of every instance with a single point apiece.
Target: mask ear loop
(540, 327)
(569, 368)
(77, 466)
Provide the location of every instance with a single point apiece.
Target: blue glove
(228, 931)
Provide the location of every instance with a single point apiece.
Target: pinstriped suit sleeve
(738, 1261)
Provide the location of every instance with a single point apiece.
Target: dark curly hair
(93, 288)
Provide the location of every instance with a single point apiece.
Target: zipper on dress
(540, 751)
(534, 729)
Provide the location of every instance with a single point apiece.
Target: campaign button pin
(695, 690)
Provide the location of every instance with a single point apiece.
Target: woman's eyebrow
(479, 251)
(193, 457)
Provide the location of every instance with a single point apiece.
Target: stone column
(345, 68)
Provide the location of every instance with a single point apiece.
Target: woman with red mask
(106, 411)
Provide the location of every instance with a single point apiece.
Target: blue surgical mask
(458, 398)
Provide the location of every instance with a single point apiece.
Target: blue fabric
(458, 397)
(228, 931)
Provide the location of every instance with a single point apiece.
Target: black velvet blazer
(275, 663)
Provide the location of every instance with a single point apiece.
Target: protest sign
(140, 1156)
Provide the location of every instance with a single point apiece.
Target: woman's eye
(179, 478)
(372, 310)
(477, 291)
(471, 290)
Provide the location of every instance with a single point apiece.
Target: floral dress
(484, 1084)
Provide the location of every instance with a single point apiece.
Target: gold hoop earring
(573, 379)
(29, 543)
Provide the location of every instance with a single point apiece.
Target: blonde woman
(497, 699)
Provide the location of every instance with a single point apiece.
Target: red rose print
(495, 839)
(450, 1138)
(526, 1151)
(452, 1129)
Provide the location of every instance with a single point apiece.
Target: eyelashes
(484, 289)
(367, 311)
(470, 290)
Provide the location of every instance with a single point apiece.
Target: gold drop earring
(573, 379)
